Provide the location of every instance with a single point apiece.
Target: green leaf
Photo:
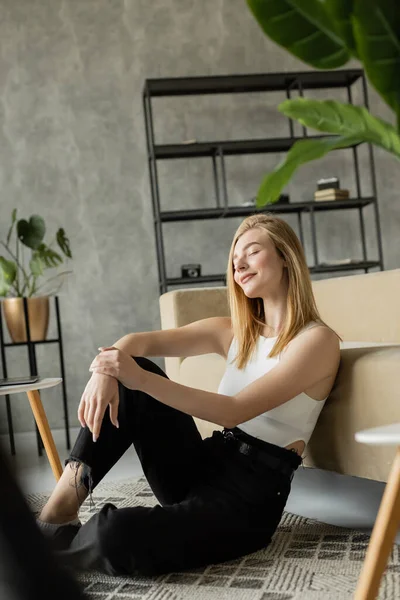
(47, 257)
(304, 28)
(31, 234)
(63, 242)
(36, 265)
(8, 273)
(377, 32)
(330, 116)
(301, 152)
(341, 11)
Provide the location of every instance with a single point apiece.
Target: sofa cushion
(202, 372)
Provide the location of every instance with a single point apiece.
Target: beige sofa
(365, 311)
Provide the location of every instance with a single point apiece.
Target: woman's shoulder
(316, 333)
(319, 326)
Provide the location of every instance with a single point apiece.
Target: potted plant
(17, 282)
(326, 35)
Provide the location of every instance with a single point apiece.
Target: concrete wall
(72, 149)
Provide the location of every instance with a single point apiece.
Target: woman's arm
(216, 408)
(200, 337)
(209, 335)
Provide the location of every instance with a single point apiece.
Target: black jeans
(215, 504)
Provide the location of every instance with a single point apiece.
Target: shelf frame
(279, 207)
(232, 147)
(258, 82)
(217, 151)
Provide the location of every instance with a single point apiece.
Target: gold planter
(38, 313)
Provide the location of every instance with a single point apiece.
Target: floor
(34, 473)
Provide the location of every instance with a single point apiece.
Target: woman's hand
(119, 364)
(101, 391)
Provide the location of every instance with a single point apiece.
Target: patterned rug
(306, 560)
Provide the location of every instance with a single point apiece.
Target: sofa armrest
(365, 394)
(181, 307)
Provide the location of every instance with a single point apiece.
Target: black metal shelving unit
(217, 150)
(31, 346)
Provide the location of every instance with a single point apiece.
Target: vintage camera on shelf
(193, 271)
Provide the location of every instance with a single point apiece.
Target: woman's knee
(149, 365)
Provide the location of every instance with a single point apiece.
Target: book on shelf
(331, 194)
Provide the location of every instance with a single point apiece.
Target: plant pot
(38, 314)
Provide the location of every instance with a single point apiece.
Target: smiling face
(257, 264)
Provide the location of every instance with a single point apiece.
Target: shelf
(317, 269)
(200, 279)
(279, 207)
(231, 147)
(369, 264)
(338, 204)
(261, 82)
(285, 85)
(26, 343)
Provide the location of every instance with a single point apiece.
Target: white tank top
(291, 421)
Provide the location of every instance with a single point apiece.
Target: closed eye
(251, 254)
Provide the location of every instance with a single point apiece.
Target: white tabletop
(386, 435)
(39, 385)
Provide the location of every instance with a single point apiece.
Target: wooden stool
(40, 417)
(388, 518)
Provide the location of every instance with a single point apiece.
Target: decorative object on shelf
(328, 183)
(342, 261)
(326, 35)
(16, 283)
(39, 314)
(283, 199)
(331, 194)
(192, 271)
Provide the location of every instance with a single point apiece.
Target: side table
(40, 417)
(388, 518)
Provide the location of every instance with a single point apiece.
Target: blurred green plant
(326, 34)
(15, 280)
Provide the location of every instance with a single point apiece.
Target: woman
(221, 497)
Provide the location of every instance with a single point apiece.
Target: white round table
(388, 518)
(40, 416)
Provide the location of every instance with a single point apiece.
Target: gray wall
(72, 149)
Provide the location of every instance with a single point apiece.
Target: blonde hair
(247, 314)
